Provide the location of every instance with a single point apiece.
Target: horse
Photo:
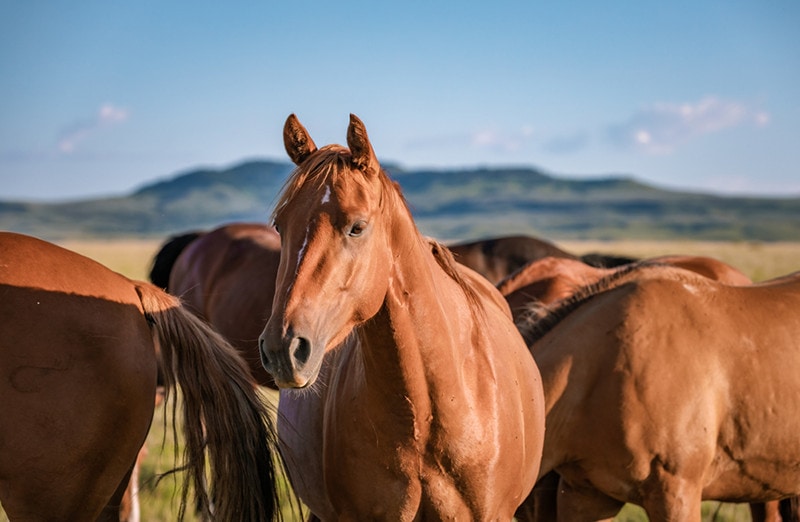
(551, 279)
(406, 391)
(164, 260)
(79, 357)
(498, 257)
(655, 394)
(226, 276)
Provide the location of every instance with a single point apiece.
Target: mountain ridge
(447, 204)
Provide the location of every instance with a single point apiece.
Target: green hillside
(447, 204)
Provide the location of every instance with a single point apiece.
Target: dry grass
(760, 261)
(132, 258)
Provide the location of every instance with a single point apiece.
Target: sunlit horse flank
(655, 391)
(79, 356)
(544, 282)
(227, 277)
(420, 399)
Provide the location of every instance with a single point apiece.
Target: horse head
(335, 252)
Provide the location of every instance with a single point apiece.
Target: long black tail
(166, 256)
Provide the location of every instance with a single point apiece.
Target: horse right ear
(298, 143)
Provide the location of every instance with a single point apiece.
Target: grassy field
(132, 258)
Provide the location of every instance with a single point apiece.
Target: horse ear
(360, 148)
(298, 143)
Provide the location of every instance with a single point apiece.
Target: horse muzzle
(289, 360)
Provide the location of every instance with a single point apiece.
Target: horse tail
(225, 422)
(165, 259)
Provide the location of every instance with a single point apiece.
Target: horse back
(496, 258)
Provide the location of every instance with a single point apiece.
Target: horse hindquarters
(73, 361)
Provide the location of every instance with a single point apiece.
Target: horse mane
(539, 318)
(165, 259)
(444, 258)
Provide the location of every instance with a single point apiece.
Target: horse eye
(358, 228)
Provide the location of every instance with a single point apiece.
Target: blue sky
(99, 97)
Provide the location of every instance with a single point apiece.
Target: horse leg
(582, 503)
(118, 508)
(765, 512)
(789, 509)
(541, 502)
(670, 498)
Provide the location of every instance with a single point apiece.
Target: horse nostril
(301, 350)
(263, 352)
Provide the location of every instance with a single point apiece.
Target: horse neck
(419, 326)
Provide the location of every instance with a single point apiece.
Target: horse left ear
(360, 148)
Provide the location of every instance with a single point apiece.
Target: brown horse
(79, 356)
(498, 257)
(655, 393)
(551, 279)
(226, 277)
(421, 400)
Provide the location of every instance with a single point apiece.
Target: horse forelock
(539, 319)
(327, 165)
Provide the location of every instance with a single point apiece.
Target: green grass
(160, 494)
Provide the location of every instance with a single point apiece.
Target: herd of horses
(487, 380)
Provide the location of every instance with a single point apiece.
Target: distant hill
(447, 204)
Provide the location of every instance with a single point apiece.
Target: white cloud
(500, 141)
(491, 139)
(567, 144)
(107, 115)
(660, 128)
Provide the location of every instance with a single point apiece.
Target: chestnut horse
(417, 399)
(79, 357)
(551, 279)
(548, 280)
(227, 278)
(655, 391)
